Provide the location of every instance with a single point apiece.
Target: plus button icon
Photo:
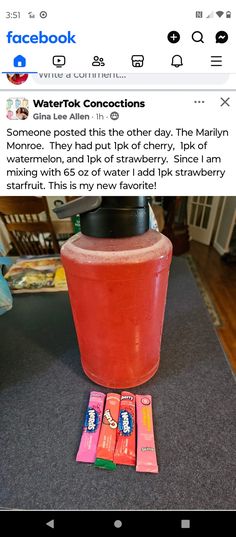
(173, 37)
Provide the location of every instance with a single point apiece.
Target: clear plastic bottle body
(117, 291)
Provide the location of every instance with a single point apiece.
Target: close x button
(225, 102)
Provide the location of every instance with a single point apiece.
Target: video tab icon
(59, 61)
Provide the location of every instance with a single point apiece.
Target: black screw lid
(110, 216)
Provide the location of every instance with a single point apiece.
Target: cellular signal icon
(211, 15)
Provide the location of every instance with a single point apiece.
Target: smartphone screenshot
(117, 264)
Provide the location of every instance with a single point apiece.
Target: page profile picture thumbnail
(17, 108)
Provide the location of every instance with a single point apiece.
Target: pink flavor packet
(92, 426)
(146, 460)
(146, 451)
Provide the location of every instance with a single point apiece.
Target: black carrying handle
(81, 205)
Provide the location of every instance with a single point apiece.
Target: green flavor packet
(105, 464)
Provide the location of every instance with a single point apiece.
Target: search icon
(197, 37)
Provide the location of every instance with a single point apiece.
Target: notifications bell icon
(177, 61)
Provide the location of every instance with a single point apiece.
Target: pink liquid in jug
(117, 290)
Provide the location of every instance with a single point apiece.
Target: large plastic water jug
(117, 272)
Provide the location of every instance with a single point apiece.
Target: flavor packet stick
(107, 438)
(125, 447)
(146, 451)
(92, 425)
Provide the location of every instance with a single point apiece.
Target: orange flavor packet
(107, 438)
(125, 447)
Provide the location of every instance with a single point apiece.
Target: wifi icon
(220, 13)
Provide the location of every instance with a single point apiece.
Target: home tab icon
(19, 61)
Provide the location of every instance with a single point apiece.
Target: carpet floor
(44, 395)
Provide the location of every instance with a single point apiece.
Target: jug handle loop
(80, 205)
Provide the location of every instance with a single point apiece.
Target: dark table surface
(44, 395)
